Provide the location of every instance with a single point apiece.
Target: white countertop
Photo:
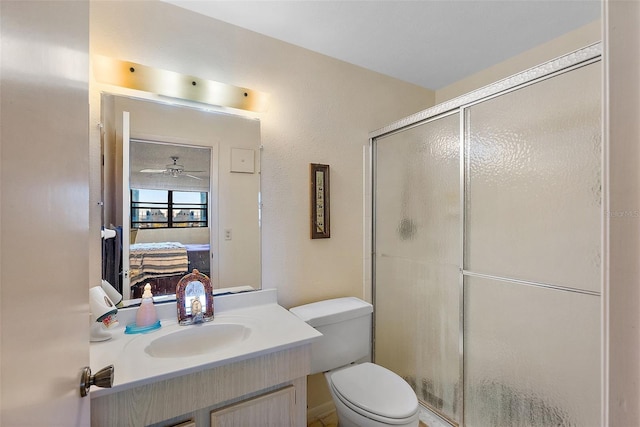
(272, 327)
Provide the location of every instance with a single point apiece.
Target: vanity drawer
(275, 409)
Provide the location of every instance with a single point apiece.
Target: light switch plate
(242, 160)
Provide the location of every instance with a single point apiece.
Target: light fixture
(170, 84)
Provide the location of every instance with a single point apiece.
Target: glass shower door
(417, 260)
(532, 255)
(492, 313)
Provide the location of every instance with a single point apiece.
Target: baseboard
(320, 411)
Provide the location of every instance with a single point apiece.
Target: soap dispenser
(146, 314)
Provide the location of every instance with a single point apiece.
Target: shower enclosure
(486, 249)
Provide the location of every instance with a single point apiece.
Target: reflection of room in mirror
(168, 202)
(174, 184)
(192, 297)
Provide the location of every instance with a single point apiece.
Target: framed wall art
(320, 213)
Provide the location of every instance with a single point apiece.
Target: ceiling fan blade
(193, 171)
(191, 176)
(152, 170)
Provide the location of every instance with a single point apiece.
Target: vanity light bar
(175, 85)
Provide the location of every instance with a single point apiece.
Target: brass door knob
(103, 378)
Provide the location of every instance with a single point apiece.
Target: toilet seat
(375, 392)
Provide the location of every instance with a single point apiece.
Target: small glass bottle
(146, 314)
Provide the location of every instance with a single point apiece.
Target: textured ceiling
(429, 43)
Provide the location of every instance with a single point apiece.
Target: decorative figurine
(191, 291)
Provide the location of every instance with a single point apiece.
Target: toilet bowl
(364, 394)
(368, 395)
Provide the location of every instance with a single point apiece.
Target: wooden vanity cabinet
(275, 409)
(268, 390)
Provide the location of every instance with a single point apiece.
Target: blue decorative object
(135, 329)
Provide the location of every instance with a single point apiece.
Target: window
(168, 209)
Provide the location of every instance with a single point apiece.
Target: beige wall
(320, 111)
(559, 46)
(622, 137)
(199, 235)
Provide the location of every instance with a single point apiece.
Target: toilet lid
(375, 390)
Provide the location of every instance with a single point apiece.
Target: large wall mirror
(181, 190)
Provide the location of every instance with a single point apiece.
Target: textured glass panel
(533, 182)
(417, 260)
(532, 356)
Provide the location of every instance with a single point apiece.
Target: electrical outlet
(227, 234)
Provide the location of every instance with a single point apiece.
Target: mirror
(181, 189)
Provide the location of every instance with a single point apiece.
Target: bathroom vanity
(246, 367)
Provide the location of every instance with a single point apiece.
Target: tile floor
(331, 420)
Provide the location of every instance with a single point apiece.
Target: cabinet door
(276, 409)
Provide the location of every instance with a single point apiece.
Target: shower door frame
(563, 64)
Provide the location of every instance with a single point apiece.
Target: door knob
(103, 378)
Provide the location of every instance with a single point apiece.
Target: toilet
(365, 394)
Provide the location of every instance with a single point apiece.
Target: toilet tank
(345, 324)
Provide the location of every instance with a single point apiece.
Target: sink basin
(197, 340)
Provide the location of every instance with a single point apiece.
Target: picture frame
(320, 202)
(194, 298)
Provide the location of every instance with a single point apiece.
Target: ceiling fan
(175, 170)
